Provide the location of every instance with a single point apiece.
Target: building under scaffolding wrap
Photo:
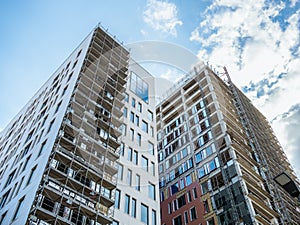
(218, 156)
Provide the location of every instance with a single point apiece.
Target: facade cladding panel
(93, 147)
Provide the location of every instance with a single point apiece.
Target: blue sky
(257, 40)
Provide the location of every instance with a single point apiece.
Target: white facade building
(58, 156)
(137, 199)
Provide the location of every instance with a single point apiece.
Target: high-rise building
(218, 157)
(93, 147)
(59, 154)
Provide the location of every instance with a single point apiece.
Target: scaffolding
(78, 184)
(260, 140)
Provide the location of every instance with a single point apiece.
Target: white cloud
(256, 49)
(162, 16)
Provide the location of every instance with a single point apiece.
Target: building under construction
(67, 158)
(91, 148)
(218, 157)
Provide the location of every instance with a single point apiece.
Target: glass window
(150, 115)
(177, 220)
(117, 199)
(174, 188)
(126, 206)
(132, 134)
(152, 131)
(208, 151)
(132, 117)
(151, 191)
(195, 193)
(144, 163)
(120, 172)
(206, 206)
(133, 102)
(186, 217)
(137, 120)
(193, 213)
(151, 148)
(123, 129)
(212, 165)
(181, 184)
(137, 182)
(115, 223)
(145, 126)
(126, 97)
(135, 157)
(139, 87)
(129, 157)
(188, 180)
(189, 196)
(125, 112)
(122, 149)
(133, 207)
(204, 187)
(181, 201)
(153, 217)
(144, 214)
(139, 107)
(201, 172)
(139, 139)
(129, 177)
(153, 168)
(199, 156)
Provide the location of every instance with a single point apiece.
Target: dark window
(177, 220)
(186, 217)
(195, 193)
(181, 201)
(193, 214)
